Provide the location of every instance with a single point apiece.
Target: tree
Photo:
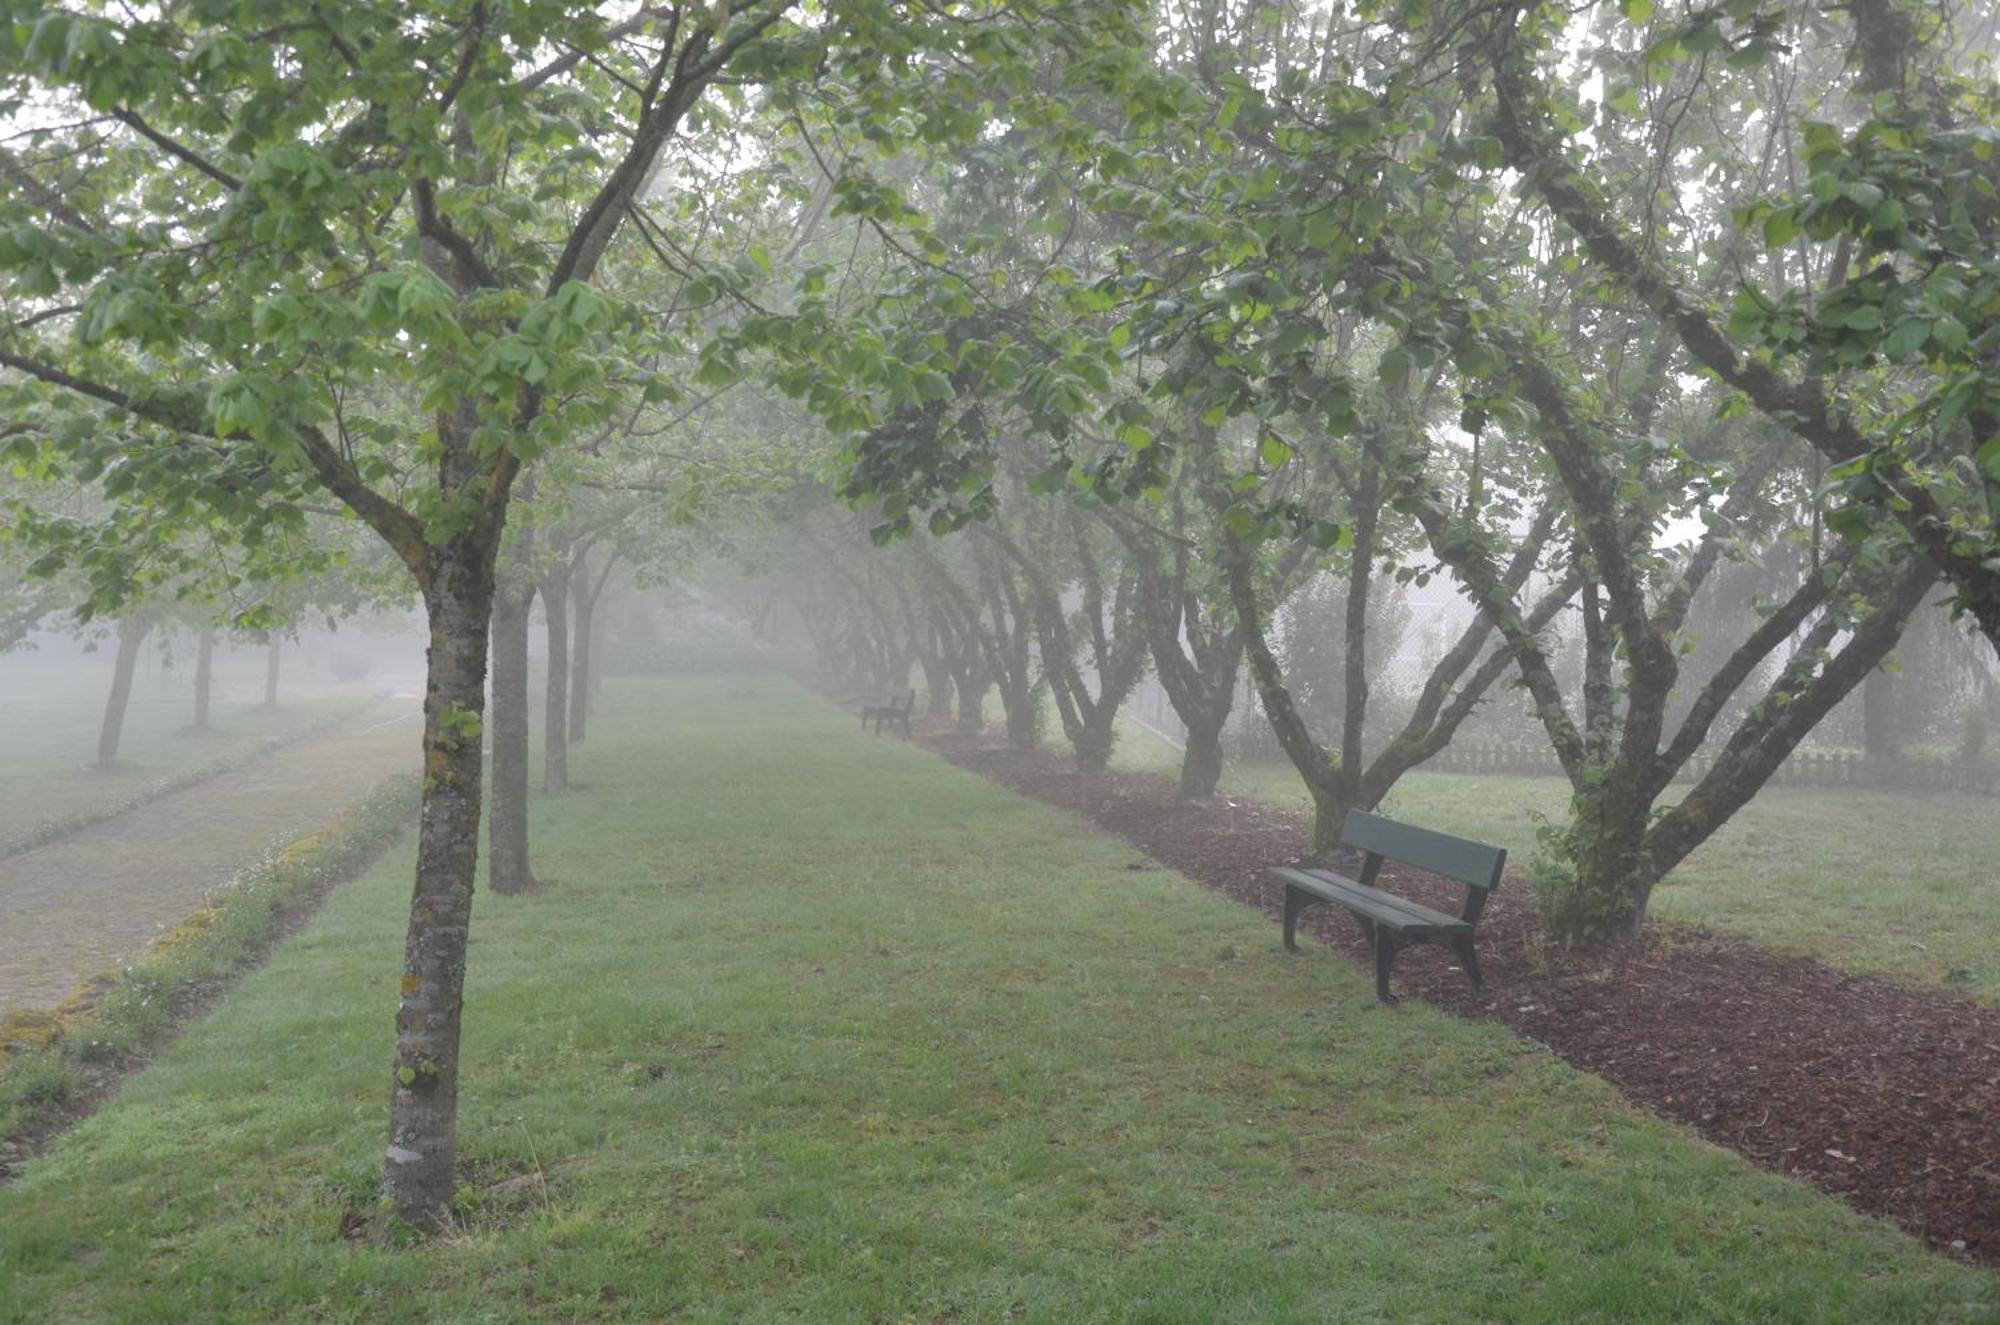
(1196, 646)
(1898, 295)
(1101, 642)
(131, 634)
(362, 247)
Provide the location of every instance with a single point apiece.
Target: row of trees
(1354, 289)
(1259, 287)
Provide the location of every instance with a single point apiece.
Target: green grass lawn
(810, 1026)
(1897, 883)
(50, 712)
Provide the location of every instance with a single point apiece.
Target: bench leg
(1367, 929)
(1295, 904)
(1386, 945)
(1469, 959)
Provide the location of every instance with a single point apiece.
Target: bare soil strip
(1885, 1095)
(93, 901)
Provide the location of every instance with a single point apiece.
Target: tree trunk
(555, 731)
(971, 706)
(507, 867)
(204, 676)
(937, 688)
(1316, 767)
(423, 1108)
(937, 678)
(1618, 851)
(271, 656)
(132, 632)
(1024, 716)
(1201, 760)
(1092, 741)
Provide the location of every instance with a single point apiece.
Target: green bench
(1393, 923)
(895, 708)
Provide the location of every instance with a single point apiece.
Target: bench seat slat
(1386, 908)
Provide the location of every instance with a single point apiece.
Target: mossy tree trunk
(423, 1127)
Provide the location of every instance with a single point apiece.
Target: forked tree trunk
(271, 657)
(555, 701)
(204, 677)
(423, 1108)
(937, 685)
(971, 707)
(1201, 759)
(507, 867)
(132, 632)
(1196, 662)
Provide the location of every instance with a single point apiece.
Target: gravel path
(92, 902)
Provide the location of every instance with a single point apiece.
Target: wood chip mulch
(1885, 1095)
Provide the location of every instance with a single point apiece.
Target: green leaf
(1849, 521)
(1394, 367)
(1988, 459)
(1907, 338)
(1863, 317)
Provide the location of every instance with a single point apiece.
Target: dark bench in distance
(895, 707)
(1393, 923)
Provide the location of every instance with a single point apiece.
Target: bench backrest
(1469, 862)
(902, 699)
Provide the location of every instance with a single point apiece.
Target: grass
(810, 1026)
(50, 711)
(1895, 883)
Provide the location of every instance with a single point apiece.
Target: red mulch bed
(1885, 1095)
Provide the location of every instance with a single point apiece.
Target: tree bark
(1009, 656)
(1195, 659)
(507, 865)
(423, 1109)
(555, 701)
(1316, 766)
(132, 632)
(204, 676)
(1201, 760)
